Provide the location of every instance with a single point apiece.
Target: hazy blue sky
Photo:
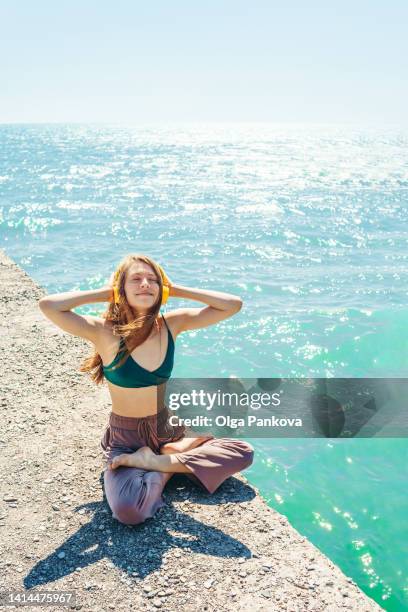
(185, 60)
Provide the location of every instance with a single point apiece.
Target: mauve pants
(134, 494)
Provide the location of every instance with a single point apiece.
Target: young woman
(141, 448)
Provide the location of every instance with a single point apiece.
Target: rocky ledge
(217, 552)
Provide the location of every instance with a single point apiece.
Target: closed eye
(152, 280)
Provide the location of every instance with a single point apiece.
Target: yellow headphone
(166, 286)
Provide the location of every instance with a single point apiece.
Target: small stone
(9, 498)
(208, 583)
(157, 603)
(61, 555)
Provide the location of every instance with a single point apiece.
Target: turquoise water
(307, 224)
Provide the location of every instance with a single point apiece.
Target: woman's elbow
(237, 304)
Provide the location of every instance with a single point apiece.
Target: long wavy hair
(133, 325)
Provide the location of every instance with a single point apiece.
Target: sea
(307, 223)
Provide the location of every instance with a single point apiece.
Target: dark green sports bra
(131, 374)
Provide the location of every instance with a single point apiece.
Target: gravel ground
(199, 552)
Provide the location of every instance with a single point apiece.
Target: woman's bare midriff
(142, 401)
(136, 402)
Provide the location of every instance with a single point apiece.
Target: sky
(186, 61)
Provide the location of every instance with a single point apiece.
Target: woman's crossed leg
(134, 481)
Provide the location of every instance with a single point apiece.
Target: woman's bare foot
(143, 458)
(183, 445)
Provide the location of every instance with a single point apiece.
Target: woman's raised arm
(57, 308)
(220, 306)
(72, 299)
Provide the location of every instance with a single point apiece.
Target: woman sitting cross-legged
(142, 449)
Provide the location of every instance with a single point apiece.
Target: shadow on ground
(139, 549)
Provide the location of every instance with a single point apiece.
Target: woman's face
(141, 286)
